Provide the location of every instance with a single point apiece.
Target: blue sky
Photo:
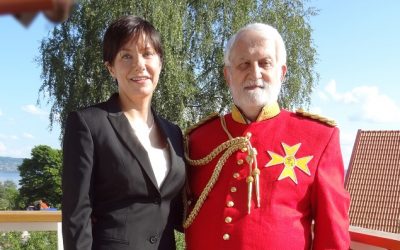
(357, 44)
(23, 123)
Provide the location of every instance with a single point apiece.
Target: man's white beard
(256, 98)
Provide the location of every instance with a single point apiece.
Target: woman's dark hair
(125, 28)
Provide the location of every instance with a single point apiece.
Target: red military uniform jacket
(301, 178)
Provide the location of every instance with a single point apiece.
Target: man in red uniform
(261, 177)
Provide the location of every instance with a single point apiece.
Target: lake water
(12, 176)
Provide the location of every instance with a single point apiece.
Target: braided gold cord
(216, 151)
(231, 146)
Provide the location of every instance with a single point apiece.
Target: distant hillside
(10, 164)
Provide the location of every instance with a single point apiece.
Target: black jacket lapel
(126, 134)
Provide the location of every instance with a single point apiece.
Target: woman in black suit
(123, 167)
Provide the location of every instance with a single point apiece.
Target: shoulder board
(319, 118)
(210, 117)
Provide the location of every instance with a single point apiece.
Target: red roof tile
(373, 181)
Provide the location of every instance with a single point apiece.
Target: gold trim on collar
(267, 112)
(237, 115)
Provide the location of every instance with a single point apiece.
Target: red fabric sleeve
(330, 201)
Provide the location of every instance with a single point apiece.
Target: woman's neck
(137, 111)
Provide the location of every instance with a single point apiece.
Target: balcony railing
(362, 238)
(32, 221)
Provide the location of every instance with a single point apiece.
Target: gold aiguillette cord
(254, 177)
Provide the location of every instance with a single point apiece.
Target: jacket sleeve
(76, 178)
(330, 200)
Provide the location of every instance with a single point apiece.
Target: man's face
(254, 76)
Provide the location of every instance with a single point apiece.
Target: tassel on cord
(249, 181)
(254, 175)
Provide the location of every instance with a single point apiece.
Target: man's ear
(110, 69)
(284, 70)
(227, 75)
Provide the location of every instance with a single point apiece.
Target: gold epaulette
(319, 118)
(210, 117)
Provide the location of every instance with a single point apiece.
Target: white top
(159, 157)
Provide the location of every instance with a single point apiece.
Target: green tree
(41, 176)
(33, 241)
(8, 195)
(194, 34)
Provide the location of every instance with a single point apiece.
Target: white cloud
(28, 136)
(347, 137)
(8, 137)
(316, 110)
(330, 88)
(18, 153)
(346, 97)
(32, 109)
(322, 96)
(2, 148)
(1, 112)
(21, 152)
(368, 103)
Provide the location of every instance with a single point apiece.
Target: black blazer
(111, 199)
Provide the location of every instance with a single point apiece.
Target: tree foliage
(194, 34)
(31, 241)
(8, 195)
(41, 176)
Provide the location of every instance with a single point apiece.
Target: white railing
(361, 238)
(32, 221)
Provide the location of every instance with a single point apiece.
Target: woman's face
(137, 68)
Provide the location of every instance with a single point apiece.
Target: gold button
(244, 149)
(240, 161)
(236, 175)
(228, 219)
(226, 236)
(230, 204)
(233, 189)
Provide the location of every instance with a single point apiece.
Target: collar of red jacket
(267, 112)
